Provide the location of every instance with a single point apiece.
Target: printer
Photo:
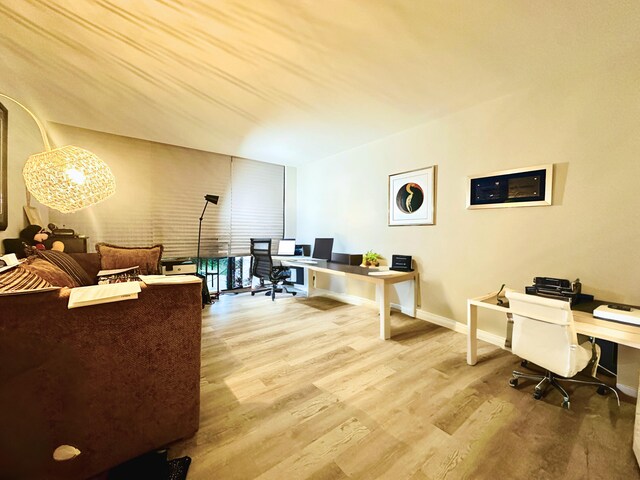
(558, 288)
(178, 266)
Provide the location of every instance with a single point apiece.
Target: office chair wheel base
(566, 404)
(253, 294)
(513, 382)
(537, 395)
(602, 390)
(524, 363)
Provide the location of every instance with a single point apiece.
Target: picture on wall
(412, 197)
(519, 187)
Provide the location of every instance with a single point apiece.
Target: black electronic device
(558, 288)
(401, 263)
(303, 250)
(322, 248)
(61, 232)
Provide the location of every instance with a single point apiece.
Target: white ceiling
(291, 81)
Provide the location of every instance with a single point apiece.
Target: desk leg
(472, 334)
(310, 281)
(382, 294)
(416, 295)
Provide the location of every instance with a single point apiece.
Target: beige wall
(587, 127)
(23, 140)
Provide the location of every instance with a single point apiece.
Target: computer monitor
(287, 246)
(322, 248)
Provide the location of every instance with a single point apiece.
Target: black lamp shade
(212, 198)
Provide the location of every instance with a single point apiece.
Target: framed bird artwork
(412, 197)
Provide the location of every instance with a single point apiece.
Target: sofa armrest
(115, 380)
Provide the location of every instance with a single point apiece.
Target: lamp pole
(208, 199)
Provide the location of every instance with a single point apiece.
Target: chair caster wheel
(524, 363)
(513, 382)
(566, 404)
(602, 390)
(537, 395)
(253, 294)
(294, 293)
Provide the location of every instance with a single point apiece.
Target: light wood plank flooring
(303, 388)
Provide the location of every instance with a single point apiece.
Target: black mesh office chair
(262, 268)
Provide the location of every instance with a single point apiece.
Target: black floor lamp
(206, 298)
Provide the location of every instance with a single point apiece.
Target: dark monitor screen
(322, 248)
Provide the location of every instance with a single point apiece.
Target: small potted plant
(370, 259)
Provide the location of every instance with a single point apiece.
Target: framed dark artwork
(412, 197)
(4, 217)
(519, 187)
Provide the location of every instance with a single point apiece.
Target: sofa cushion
(50, 272)
(114, 257)
(19, 278)
(67, 264)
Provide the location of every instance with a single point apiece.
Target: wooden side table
(71, 244)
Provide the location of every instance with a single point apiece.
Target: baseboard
(446, 322)
(343, 297)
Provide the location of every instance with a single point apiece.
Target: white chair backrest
(543, 332)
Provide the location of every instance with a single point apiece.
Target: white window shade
(159, 197)
(180, 200)
(257, 203)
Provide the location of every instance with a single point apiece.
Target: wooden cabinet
(71, 244)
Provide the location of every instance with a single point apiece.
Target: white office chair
(544, 334)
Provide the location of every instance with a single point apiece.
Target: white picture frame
(411, 197)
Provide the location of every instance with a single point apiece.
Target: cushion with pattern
(50, 272)
(68, 264)
(19, 278)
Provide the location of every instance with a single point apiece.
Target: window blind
(160, 193)
(257, 203)
(159, 198)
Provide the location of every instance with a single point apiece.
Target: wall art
(412, 197)
(519, 187)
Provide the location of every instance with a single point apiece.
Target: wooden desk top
(363, 273)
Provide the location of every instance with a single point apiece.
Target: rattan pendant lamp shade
(68, 178)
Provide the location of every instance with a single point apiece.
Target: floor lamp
(206, 298)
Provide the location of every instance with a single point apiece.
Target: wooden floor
(303, 388)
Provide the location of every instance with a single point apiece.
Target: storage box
(347, 258)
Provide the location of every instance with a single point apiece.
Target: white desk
(382, 283)
(585, 323)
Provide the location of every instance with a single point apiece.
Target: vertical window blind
(160, 195)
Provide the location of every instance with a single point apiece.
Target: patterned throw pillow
(19, 278)
(68, 264)
(114, 257)
(50, 272)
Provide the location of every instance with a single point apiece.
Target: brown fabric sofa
(115, 380)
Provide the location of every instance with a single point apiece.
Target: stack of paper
(169, 279)
(104, 273)
(10, 261)
(97, 294)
